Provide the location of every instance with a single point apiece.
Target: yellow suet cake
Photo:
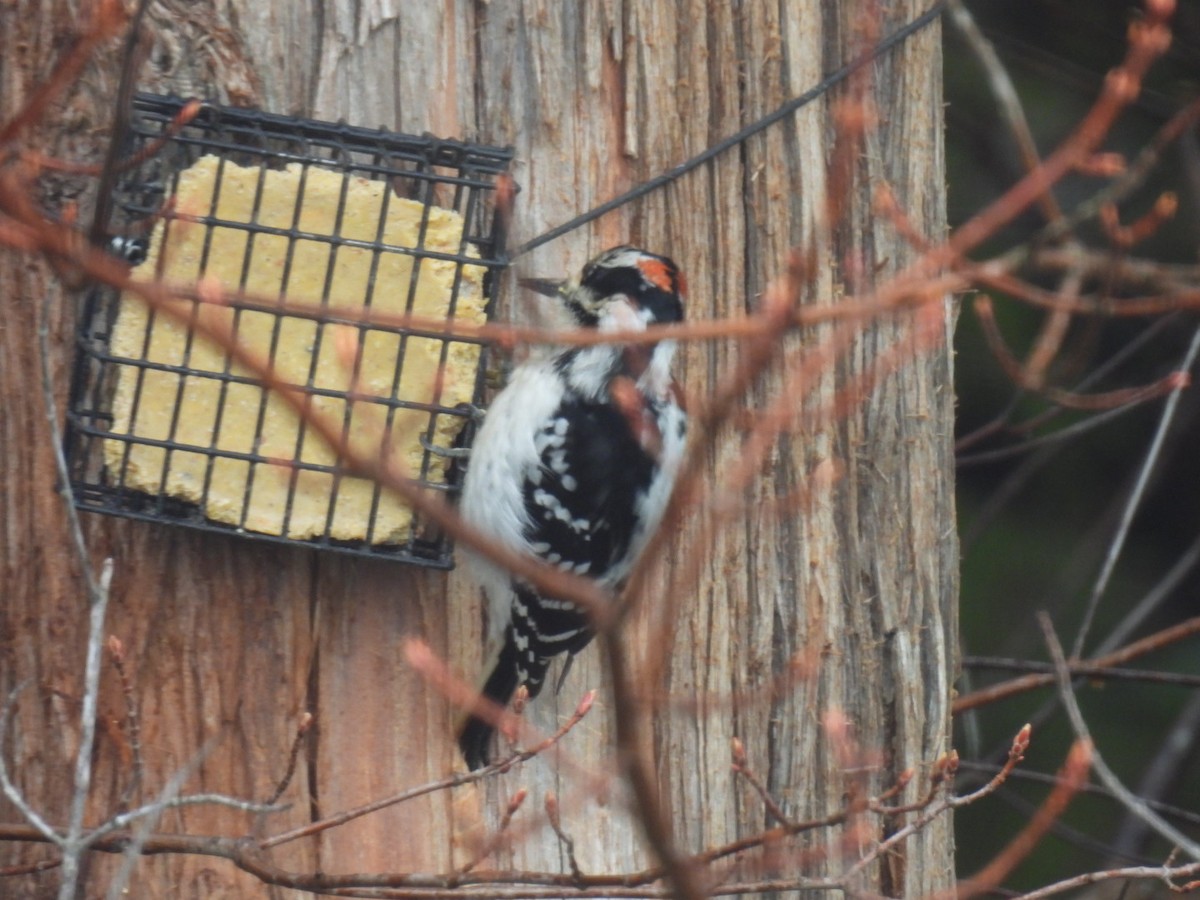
(201, 409)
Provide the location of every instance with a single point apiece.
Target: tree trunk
(229, 642)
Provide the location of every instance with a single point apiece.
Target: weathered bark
(229, 642)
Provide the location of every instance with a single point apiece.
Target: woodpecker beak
(544, 286)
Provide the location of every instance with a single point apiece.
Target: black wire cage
(325, 255)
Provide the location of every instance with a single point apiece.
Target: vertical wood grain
(231, 642)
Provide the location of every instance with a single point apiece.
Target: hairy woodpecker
(574, 464)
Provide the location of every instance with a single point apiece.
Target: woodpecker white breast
(574, 464)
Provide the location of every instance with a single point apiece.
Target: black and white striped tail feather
(540, 629)
(476, 734)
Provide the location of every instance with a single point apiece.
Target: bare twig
(1148, 39)
(1152, 642)
(170, 799)
(75, 839)
(1153, 598)
(496, 839)
(1133, 176)
(146, 818)
(500, 765)
(11, 791)
(1134, 500)
(30, 868)
(1031, 378)
(1071, 779)
(106, 19)
(741, 766)
(1006, 96)
(1167, 875)
(568, 844)
(1087, 670)
(1127, 798)
(630, 723)
(1098, 790)
(1161, 771)
(1052, 439)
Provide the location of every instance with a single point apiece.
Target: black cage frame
(449, 174)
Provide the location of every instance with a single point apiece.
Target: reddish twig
(741, 766)
(1148, 644)
(179, 121)
(1108, 400)
(107, 19)
(33, 868)
(1071, 778)
(496, 839)
(501, 765)
(1149, 38)
(1123, 237)
(568, 845)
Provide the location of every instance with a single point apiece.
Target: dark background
(1036, 526)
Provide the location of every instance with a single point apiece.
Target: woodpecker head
(621, 283)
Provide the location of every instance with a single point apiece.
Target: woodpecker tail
(476, 733)
(538, 632)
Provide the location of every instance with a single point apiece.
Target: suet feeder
(305, 270)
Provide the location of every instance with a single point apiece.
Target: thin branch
(1087, 670)
(1162, 770)
(568, 844)
(630, 740)
(33, 868)
(1127, 798)
(1134, 500)
(496, 839)
(107, 18)
(11, 791)
(1145, 645)
(1154, 598)
(1148, 39)
(1097, 790)
(461, 778)
(1166, 874)
(76, 836)
(1131, 179)
(1054, 438)
(1031, 376)
(1006, 96)
(1070, 780)
(741, 765)
(147, 817)
(49, 399)
(124, 820)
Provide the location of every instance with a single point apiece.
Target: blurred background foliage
(1037, 523)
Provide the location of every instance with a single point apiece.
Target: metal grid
(114, 387)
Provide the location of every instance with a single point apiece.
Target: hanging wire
(740, 137)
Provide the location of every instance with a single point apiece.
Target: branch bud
(552, 809)
(739, 754)
(517, 799)
(585, 704)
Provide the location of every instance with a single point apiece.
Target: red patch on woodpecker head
(657, 273)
